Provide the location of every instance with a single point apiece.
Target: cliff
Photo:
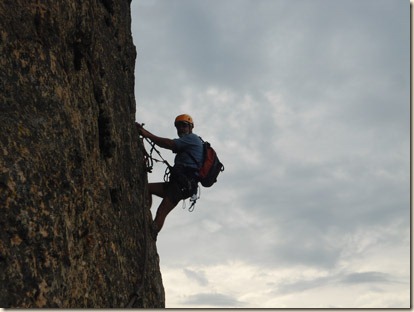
(74, 229)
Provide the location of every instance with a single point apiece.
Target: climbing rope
(149, 162)
(149, 159)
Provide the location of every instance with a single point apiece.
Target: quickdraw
(193, 200)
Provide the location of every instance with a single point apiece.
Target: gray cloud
(199, 277)
(213, 300)
(372, 278)
(366, 277)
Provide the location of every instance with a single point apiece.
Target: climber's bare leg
(156, 189)
(163, 210)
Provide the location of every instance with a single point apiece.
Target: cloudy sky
(307, 103)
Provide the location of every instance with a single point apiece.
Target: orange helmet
(184, 118)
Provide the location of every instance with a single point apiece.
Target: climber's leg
(163, 210)
(171, 194)
(157, 189)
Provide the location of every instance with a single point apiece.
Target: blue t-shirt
(189, 143)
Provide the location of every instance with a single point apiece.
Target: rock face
(74, 229)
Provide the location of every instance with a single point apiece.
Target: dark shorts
(182, 185)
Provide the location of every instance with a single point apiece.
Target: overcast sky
(307, 103)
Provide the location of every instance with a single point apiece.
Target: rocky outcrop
(74, 229)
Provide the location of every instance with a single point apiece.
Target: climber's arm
(161, 142)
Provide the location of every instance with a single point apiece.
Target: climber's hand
(139, 127)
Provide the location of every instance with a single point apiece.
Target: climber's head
(184, 124)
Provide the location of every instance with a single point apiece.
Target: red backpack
(211, 166)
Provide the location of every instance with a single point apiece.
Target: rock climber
(183, 182)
